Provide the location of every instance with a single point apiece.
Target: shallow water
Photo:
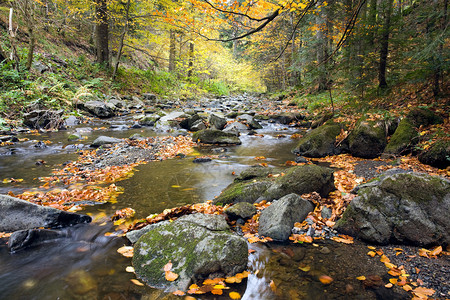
(85, 265)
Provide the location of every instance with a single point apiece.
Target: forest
(224, 149)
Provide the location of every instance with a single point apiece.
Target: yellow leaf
(393, 280)
(371, 253)
(305, 268)
(407, 288)
(436, 251)
(234, 295)
(217, 292)
(371, 247)
(361, 278)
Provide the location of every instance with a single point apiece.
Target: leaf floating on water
(217, 292)
(136, 282)
(171, 276)
(126, 251)
(129, 269)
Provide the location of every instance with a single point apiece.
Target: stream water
(85, 265)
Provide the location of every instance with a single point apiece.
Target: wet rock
(368, 139)
(287, 118)
(74, 137)
(136, 137)
(256, 172)
(241, 210)
(438, 155)
(40, 145)
(32, 237)
(97, 108)
(44, 119)
(211, 136)
(117, 104)
(320, 142)
(72, 121)
(193, 123)
(277, 220)
(199, 160)
(104, 140)
(149, 120)
(17, 214)
(326, 212)
(250, 121)
(149, 98)
(403, 139)
(410, 208)
(217, 122)
(301, 180)
(197, 245)
(300, 159)
(235, 128)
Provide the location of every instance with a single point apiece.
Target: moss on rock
(403, 138)
(368, 139)
(212, 136)
(438, 155)
(319, 142)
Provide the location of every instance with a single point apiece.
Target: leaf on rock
(136, 282)
(126, 251)
(171, 276)
(168, 266)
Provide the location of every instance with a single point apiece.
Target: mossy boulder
(368, 139)
(217, 122)
(406, 208)
(256, 172)
(198, 246)
(423, 116)
(149, 120)
(438, 155)
(245, 191)
(319, 142)
(301, 180)
(288, 117)
(404, 137)
(212, 136)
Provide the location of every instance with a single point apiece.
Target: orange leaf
(217, 292)
(424, 291)
(234, 295)
(325, 279)
(168, 266)
(371, 253)
(407, 288)
(171, 276)
(179, 293)
(137, 282)
(273, 287)
(436, 251)
(389, 285)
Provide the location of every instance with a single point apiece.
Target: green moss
(319, 142)
(403, 138)
(419, 189)
(247, 191)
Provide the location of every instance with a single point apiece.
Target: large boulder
(302, 180)
(17, 214)
(408, 208)
(368, 139)
(217, 122)
(45, 119)
(319, 142)
(404, 137)
(212, 136)
(423, 116)
(288, 117)
(193, 123)
(254, 184)
(241, 210)
(247, 191)
(97, 108)
(438, 155)
(277, 220)
(198, 246)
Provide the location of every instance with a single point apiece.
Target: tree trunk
(102, 31)
(31, 46)
(122, 37)
(191, 59)
(438, 71)
(172, 51)
(322, 49)
(12, 40)
(384, 46)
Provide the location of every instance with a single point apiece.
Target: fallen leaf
(361, 278)
(305, 268)
(171, 276)
(325, 279)
(436, 251)
(423, 291)
(273, 287)
(371, 247)
(389, 285)
(129, 269)
(371, 253)
(217, 292)
(407, 287)
(234, 295)
(168, 266)
(136, 282)
(180, 293)
(126, 251)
